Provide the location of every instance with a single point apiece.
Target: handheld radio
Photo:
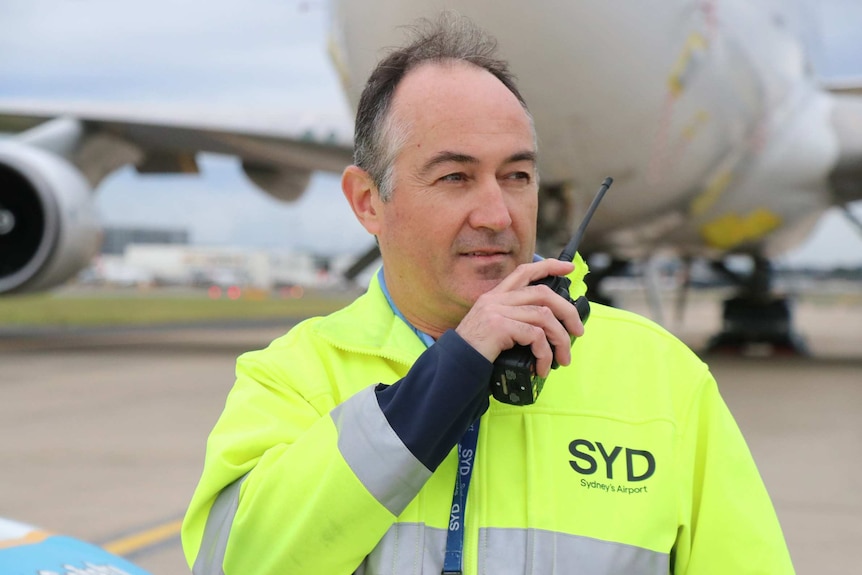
(514, 379)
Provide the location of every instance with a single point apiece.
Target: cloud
(253, 52)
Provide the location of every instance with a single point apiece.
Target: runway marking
(148, 538)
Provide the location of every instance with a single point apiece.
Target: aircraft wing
(166, 141)
(843, 86)
(59, 153)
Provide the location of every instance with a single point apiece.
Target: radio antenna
(568, 253)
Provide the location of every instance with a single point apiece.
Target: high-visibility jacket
(628, 462)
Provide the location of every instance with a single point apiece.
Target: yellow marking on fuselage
(707, 198)
(690, 129)
(694, 44)
(732, 230)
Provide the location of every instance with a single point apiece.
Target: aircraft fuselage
(705, 113)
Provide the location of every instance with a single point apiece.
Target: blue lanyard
(453, 560)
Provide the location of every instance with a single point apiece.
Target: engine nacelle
(49, 228)
(283, 183)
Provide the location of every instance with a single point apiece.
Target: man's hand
(515, 312)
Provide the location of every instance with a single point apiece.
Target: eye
(456, 177)
(525, 177)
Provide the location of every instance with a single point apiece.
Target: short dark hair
(449, 37)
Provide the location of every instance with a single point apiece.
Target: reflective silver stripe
(210, 559)
(416, 549)
(376, 454)
(407, 549)
(514, 551)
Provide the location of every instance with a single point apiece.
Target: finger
(526, 273)
(568, 315)
(552, 329)
(496, 327)
(538, 294)
(486, 328)
(541, 295)
(534, 337)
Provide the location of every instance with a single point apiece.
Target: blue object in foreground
(25, 550)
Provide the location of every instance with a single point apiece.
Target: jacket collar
(369, 326)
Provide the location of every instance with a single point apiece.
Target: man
(338, 449)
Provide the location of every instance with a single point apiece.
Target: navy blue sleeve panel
(445, 391)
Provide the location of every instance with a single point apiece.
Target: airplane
(709, 116)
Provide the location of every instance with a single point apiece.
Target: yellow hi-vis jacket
(629, 462)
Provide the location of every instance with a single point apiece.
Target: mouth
(486, 254)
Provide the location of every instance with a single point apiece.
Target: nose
(490, 209)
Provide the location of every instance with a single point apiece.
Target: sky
(264, 59)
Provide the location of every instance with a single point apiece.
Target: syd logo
(639, 463)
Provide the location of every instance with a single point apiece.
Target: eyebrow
(458, 158)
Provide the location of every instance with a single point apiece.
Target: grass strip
(133, 309)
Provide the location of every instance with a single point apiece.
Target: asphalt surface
(104, 431)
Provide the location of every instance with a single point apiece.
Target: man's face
(462, 214)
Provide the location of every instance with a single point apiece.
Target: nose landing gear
(756, 317)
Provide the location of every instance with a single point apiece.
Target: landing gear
(756, 319)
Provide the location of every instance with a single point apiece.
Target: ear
(361, 194)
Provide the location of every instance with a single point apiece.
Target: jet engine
(283, 183)
(49, 228)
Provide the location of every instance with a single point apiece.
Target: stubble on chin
(484, 279)
(494, 271)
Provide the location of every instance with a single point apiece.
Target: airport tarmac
(105, 430)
